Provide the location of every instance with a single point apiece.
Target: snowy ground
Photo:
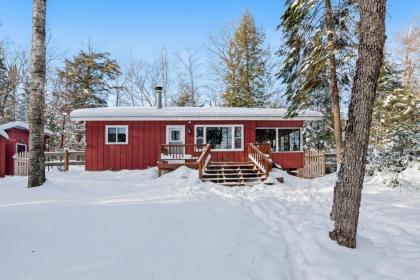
(132, 225)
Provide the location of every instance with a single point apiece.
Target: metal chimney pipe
(158, 92)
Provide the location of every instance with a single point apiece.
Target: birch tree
(36, 165)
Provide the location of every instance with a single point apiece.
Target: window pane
(20, 148)
(295, 142)
(200, 131)
(112, 134)
(289, 139)
(267, 136)
(175, 135)
(122, 138)
(219, 137)
(121, 130)
(238, 143)
(200, 141)
(238, 131)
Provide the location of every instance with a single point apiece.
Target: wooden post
(66, 160)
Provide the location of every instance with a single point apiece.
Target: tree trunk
(348, 188)
(36, 172)
(335, 97)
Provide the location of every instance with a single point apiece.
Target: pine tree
(247, 66)
(87, 79)
(394, 131)
(318, 48)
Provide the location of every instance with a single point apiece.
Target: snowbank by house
(135, 225)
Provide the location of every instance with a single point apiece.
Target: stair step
(232, 179)
(233, 174)
(230, 163)
(233, 184)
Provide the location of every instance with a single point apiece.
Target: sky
(138, 28)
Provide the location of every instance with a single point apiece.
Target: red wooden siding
(2, 156)
(16, 136)
(144, 138)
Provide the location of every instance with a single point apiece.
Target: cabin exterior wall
(145, 137)
(2, 156)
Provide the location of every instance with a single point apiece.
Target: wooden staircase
(233, 173)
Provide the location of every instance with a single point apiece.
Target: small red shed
(130, 137)
(3, 139)
(14, 138)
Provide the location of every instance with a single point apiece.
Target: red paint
(144, 138)
(2, 156)
(16, 136)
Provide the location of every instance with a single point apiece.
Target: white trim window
(116, 134)
(221, 137)
(21, 148)
(281, 139)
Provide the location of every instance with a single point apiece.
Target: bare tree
(188, 74)
(348, 189)
(36, 165)
(218, 45)
(409, 51)
(141, 79)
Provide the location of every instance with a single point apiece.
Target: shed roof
(188, 113)
(18, 125)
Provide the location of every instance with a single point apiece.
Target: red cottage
(14, 138)
(137, 138)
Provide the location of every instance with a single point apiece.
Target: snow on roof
(19, 125)
(188, 113)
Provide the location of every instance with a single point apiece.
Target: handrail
(260, 159)
(264, 148)
(202, 160)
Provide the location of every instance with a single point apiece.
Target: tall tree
(348, 189)
(87, 79)
(36, 168)
(247, 66)
(188, 79)
(318, 48)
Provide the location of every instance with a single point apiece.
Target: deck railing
(196, 156)
(260, 159)
(264, 147)
(180, 152)
(203, 160)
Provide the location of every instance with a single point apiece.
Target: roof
(187, 113)
(18, 125)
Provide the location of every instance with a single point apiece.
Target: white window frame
(16, 147)
(182, 127)
(277, 138)
(221, 125)
(116, 143)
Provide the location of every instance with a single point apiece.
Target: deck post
(66, 160)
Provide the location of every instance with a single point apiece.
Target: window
(220, 137)
(280, 139)
(267, 135)
(116, 134)
(20, 148)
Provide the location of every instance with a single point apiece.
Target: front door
(175, 135)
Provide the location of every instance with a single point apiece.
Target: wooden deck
(199, 157)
